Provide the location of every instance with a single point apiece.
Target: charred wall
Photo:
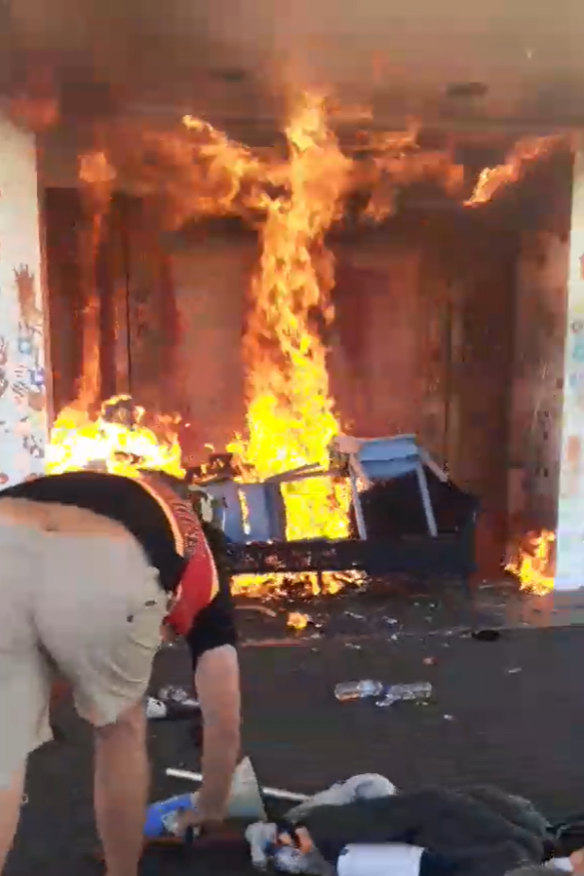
(535, 412)
(67, 230)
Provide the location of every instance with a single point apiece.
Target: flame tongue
(290, 414)
(524, 153)
(533, 563)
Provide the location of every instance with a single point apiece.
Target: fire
(117, 444)
(291, 418)
(290, 411)
(524, 153)
(231, 167)
(534, 564)
(197, 171)
(96, 178)
(297, 620)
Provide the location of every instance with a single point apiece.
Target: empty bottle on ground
(358, 690)
(401, 693)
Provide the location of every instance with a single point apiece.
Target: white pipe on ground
(276, 793)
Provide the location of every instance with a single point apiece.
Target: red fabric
(198, 586)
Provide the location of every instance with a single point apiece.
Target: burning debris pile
(116, 440)
(290, 412)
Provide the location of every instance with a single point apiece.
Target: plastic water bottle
(400, 693)
(358, 690)
(163, 817)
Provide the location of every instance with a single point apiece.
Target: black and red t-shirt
(152, 508)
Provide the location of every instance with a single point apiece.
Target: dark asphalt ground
(509, 712)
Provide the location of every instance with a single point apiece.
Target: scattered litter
(263, 609)
(298, 621)
(287, 858)
(164, 816)
(155, 710)
(353, 647)
(429, 618)
(358, 845)
(430, 661)
(392, 621)
(173, 693)
(449, 717)
(394, 637)
(172, 702)
(402, 693)
(486, 635)
(354, 615)
(514, 670)
(368, 786)
(291, 849)
(358, 690)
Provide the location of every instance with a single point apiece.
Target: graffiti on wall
(570, 542)
(22, 379)
(23, 395)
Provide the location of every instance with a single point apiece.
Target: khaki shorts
(77, 599)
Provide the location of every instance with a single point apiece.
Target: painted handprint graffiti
(4, 382)
(23, 415)
(22, 380)
(30, 315)
(34, 446)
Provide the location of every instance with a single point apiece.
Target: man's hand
(202, 827)
(217, 683)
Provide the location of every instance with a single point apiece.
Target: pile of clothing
(363, 827)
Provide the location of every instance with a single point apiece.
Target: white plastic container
(383, 859)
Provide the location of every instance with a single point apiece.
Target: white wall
(535, 432)
(570, 548)
(23, 391)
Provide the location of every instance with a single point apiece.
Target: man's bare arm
(217, 683)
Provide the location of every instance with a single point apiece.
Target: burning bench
(406, 516)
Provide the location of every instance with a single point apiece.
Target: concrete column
(570, 545)
(23, 311)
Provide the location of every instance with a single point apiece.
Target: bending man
(92, 566)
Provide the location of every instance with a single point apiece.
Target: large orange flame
(290, 412)
(533, 563)
(96, 178)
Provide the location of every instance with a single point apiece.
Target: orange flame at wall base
(534, 562)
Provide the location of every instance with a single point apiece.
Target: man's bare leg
(121, 789)
(10, 800)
